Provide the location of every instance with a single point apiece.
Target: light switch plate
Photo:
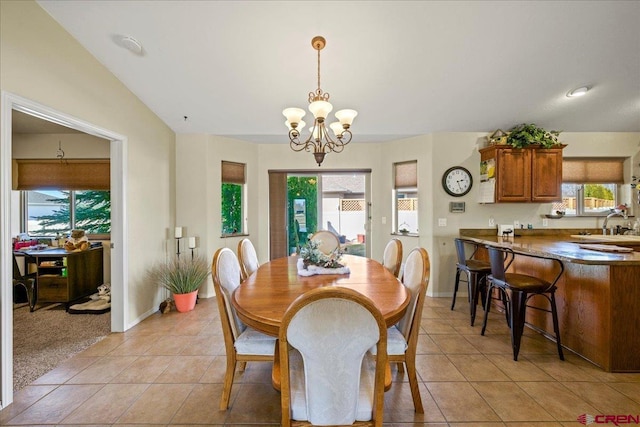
(505, 227)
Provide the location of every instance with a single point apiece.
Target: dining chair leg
(228, 382)
(242, 366)
(413, 384)
(474, 292)
(400, 367)
(556, 327)
(455, 289)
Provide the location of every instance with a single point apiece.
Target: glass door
(334, 201)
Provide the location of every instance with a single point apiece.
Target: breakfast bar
(598, 296)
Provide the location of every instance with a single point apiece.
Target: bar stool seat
(516, 290)
(476, 272)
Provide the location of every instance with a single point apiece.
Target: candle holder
(178, 246)
(192, 245)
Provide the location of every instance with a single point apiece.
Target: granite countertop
(561, 244)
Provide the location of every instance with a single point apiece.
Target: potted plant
(182, 277)
(524, 134)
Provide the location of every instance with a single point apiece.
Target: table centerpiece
(313, 261)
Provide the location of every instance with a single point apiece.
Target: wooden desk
(65, 276)
(263, 298)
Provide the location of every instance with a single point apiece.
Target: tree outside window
(231, 208)
(52, 212)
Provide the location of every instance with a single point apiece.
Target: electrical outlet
(545, 222)
(442, 222)
(516, 224)
(492, 222)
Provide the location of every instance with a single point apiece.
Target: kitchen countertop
(565, 247)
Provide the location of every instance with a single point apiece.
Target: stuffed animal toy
(104, 292)
(78, 241)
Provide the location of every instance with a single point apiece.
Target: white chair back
(248, 258)
(415, 279)
(226, 278)
(331, 330)
(392, 257)
(328, 241)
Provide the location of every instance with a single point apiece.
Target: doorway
(11, 103)
(335, 201)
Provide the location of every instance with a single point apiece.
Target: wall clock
(457, 181)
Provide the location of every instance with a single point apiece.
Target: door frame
(367, 195)
(119, 252)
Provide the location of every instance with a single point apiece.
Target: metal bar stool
(516, 290)
(476, 272)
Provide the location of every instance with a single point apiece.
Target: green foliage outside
(92, 214)
(231, 208)
(598, 191)
(302, 187)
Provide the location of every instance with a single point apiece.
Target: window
(232, 198)
(590, 186)
(405, 197)
(49, 212)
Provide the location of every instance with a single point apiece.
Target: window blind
(53, 174)
(593, 171)
(233, 173)
(406, 174)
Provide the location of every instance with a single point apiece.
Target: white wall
(41, 62)
(198, 183)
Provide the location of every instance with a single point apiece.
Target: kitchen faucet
(622, 213)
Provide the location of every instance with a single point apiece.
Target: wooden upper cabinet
(526, 174)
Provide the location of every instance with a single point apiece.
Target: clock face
(457, 181)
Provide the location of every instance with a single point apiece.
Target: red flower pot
(185, 302)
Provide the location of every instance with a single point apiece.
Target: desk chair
(242, 343)
(327, 375)
(392, 257)
(26, 281)
(248, 258)
(328, 241)
(516, 290)
(475, 271)
(402, 338)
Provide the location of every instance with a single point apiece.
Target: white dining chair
(242, 343)
(392, 256)
(402, 338)
(327, 375)
(328, 241)
(247, 257)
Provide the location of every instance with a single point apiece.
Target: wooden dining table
(262, 299)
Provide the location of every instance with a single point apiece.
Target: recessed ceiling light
(131, 44)
(578, 92)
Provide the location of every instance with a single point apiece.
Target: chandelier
(319, 140)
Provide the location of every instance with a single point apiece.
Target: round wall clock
(457, 181)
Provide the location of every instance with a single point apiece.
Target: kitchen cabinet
(529, 174)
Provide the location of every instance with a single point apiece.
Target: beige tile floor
(168, 370)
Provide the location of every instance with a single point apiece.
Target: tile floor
(168, 370)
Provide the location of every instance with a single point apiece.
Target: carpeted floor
(48, 336)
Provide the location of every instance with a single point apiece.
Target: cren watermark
(616, 420)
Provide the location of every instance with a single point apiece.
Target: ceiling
(407, 67)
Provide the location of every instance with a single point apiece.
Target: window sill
(224, 236)
(406, 234)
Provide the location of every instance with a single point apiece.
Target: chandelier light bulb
(337, 129)
(320, 109)
(346, 116)
(294, 115)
